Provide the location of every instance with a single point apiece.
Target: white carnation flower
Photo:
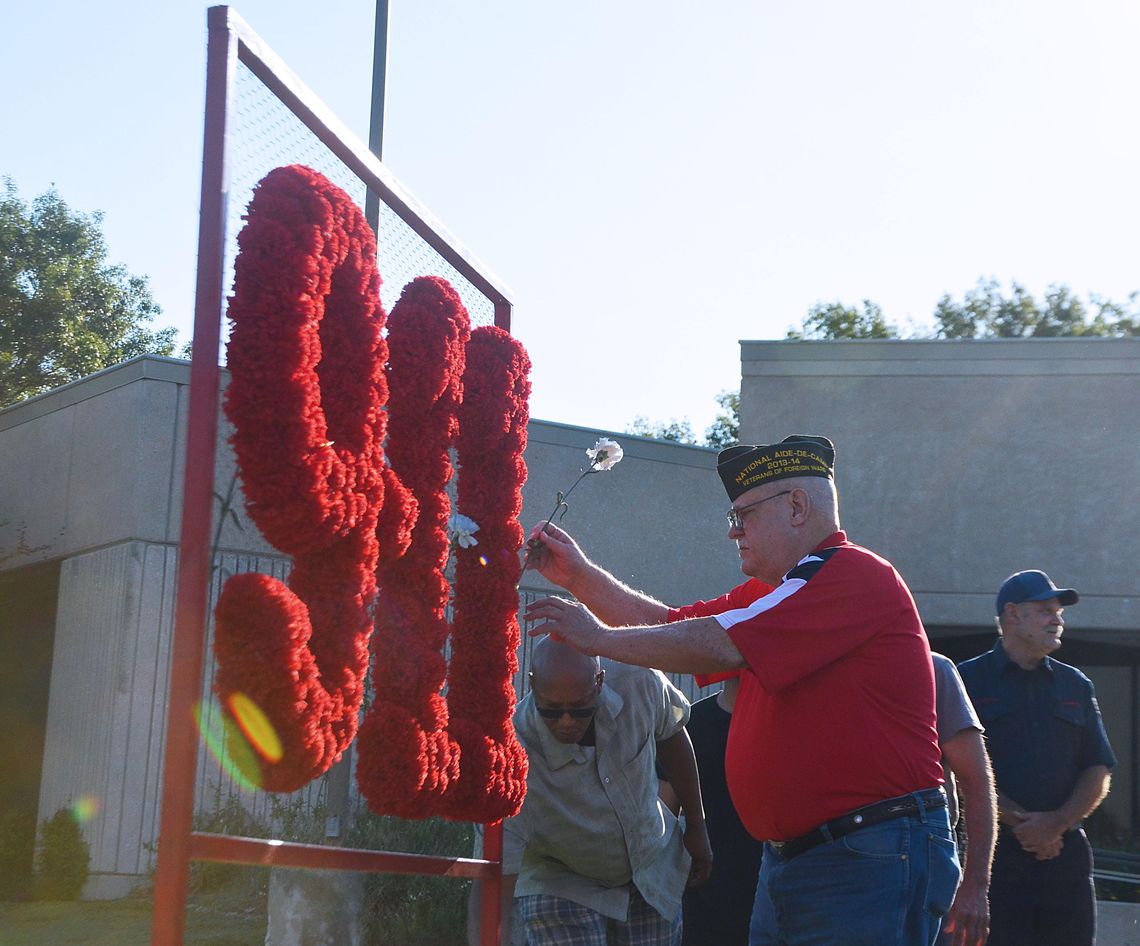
(604, 454)
(462, 531)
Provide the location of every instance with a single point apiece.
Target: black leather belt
(930, 800)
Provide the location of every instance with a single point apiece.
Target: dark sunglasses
(553, 712)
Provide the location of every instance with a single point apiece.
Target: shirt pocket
(992, 710)
(639, 760)
(1069, 729)
(1070, 711)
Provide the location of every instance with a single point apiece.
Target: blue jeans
(886, 885)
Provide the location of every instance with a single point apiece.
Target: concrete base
(314, 908)
(1117, 924)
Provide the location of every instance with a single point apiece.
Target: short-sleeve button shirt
(1043, 726)
(592, 822)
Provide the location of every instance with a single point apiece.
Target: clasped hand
(1037, 832)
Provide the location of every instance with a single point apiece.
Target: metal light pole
(376, 119)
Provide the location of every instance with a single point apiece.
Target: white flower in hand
(462, 531)
(602, 455)
(605, 454)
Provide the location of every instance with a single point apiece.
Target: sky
(654, 181)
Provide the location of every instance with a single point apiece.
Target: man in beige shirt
(594, 856)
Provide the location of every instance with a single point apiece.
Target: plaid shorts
(554, 921)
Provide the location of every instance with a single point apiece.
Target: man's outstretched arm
(695, 645)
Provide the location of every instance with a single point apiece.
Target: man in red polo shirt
(833, 755)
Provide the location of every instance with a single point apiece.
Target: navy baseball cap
(1032, 585)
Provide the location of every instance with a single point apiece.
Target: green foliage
(725, 430)
(835, 320)
(64, 311)
(64, 858)
(410, 910)
(289, 820)
(678, 431)
(228, 817)
(985, 312)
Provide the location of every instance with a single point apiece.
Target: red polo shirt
(836, 706)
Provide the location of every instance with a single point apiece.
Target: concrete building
(90, 501)
(961, 462)
(965, 461)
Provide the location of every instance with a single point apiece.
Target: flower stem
(533, 544)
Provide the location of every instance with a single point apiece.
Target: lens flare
(483, 560)
(226, 744)
(85, 808)
(256, 727)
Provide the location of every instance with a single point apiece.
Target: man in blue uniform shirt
(1051, 762)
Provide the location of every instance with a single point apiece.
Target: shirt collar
(836, 538)
(1002, 661)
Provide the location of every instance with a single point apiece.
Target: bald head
(555, 665)
(565, 686)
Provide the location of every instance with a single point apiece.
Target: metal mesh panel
(265, 134)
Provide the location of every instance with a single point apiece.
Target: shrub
(64, 858)
(409, 910)
(228, 817)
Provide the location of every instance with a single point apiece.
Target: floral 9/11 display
(343, 440)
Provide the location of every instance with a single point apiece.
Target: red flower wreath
(485, 635)
(306, 397)
(307, 386)
(407, 758)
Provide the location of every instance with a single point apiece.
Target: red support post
(490, 906)
(229, 40)
(503, 314)
(194, 563)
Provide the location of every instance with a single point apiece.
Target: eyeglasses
(555, 712)
(736, 520)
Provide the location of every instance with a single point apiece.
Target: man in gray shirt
(966, 764)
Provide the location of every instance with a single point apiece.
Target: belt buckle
(778, 846)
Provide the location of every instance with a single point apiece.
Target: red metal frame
(231, 41)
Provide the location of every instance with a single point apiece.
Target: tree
(64, 311)
(725, 430)
(828, 320)
(985, 312)
(679, 431)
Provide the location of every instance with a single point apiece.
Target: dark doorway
(28, 599)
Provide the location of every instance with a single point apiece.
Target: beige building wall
(959, 461)
(100, 493)
(965, 461)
